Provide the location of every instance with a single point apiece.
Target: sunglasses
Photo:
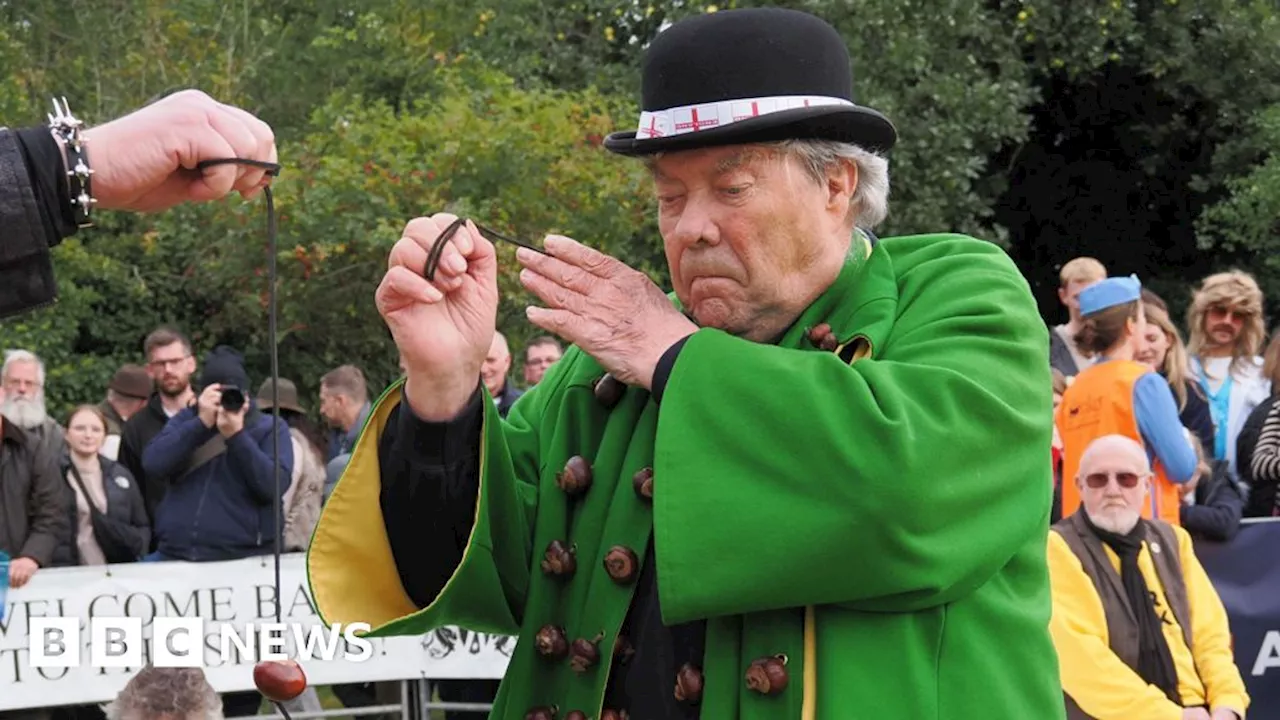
(437, 249)
(1127, 480)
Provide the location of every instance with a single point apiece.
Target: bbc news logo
(118, 642)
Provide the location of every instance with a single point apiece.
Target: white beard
(26, 414)
(1117, 521)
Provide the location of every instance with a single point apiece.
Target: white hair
(22, 356)
(172, 693)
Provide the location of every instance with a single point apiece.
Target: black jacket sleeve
(430, 484)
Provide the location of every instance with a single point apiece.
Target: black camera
(232, 398)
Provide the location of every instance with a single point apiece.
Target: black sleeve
(666, 364)
(430, 484)
(45, 165)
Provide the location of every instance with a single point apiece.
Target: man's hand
(146, 160)
(1195, 714)
(444, 327)
(208, 404)
(230, 423)
(1225, 714)
(614, 313)
(20, 571)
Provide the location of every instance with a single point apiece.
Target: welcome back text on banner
(235, 594)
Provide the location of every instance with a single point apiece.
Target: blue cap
(1109, 293)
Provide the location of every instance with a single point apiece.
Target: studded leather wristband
(67, 129)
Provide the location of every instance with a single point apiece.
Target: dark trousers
(468, 691)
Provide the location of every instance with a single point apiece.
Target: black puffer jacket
(126, 513)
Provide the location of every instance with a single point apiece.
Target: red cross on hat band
(704, 116)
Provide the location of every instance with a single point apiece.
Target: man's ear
(842, 183)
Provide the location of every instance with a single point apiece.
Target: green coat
(881, 523)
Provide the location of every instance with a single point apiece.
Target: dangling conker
(768, 676)
(541, 713)
(688, 684)
(551, 642)
(279, 680)
(621, 563)
(642, 481)
(575, 479)
(559, 560)
(585, 653)
(575, 715)
(609, 390)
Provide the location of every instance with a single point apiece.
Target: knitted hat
(224, 366)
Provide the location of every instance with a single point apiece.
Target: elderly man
(762, 497)
(494, 374)
(23, 378)
(539, 355)
(1139, 629)
(166, 694)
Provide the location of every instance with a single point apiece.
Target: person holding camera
(218, 456)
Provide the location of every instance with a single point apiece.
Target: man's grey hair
(166, 694)
(21, 356)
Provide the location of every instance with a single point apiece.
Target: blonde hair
(1082, 269)
(1176, 367)
(1271, 362)
(1228, 288)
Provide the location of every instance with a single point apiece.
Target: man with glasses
(1227, 330)
(170, 363)
(1140, 631)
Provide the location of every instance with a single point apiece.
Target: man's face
(1223, 323)
(496, 364)
(24, 395)
(333, 406)
(537, 360)
(22, 382)
(1122, 478)
(171, 366)
(750, 238)
(1070, 295)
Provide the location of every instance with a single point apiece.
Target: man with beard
(24, 406)
(171, 363)
(1226, 335)
(1139, 630)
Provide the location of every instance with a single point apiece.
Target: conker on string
(621, 563)
(551, 642)
(608, 390)
(541, 713)
(688, 684)
(768, 676)
(622, 649)
(279, 680)
(642, 481)
(559, 559)
(585, 653)
(575, 479)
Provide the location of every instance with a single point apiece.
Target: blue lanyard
(1219, 408)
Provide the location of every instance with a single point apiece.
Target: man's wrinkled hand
(20, 571)
(614, 313)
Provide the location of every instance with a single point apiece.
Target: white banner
(238, 593)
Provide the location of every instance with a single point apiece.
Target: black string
(437, 248)
(273, 169)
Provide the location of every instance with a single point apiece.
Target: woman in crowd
(1165, 353)
(1262, 489)
(108, 517)
(1119, 396)
(302, 500)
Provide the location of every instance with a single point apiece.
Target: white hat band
(692, 118)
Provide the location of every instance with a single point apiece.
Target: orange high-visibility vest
(1100, 402)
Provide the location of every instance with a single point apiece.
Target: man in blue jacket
(218, 457)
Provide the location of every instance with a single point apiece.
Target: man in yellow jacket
(1139, 629)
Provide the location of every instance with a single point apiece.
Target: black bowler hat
(748, 76)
